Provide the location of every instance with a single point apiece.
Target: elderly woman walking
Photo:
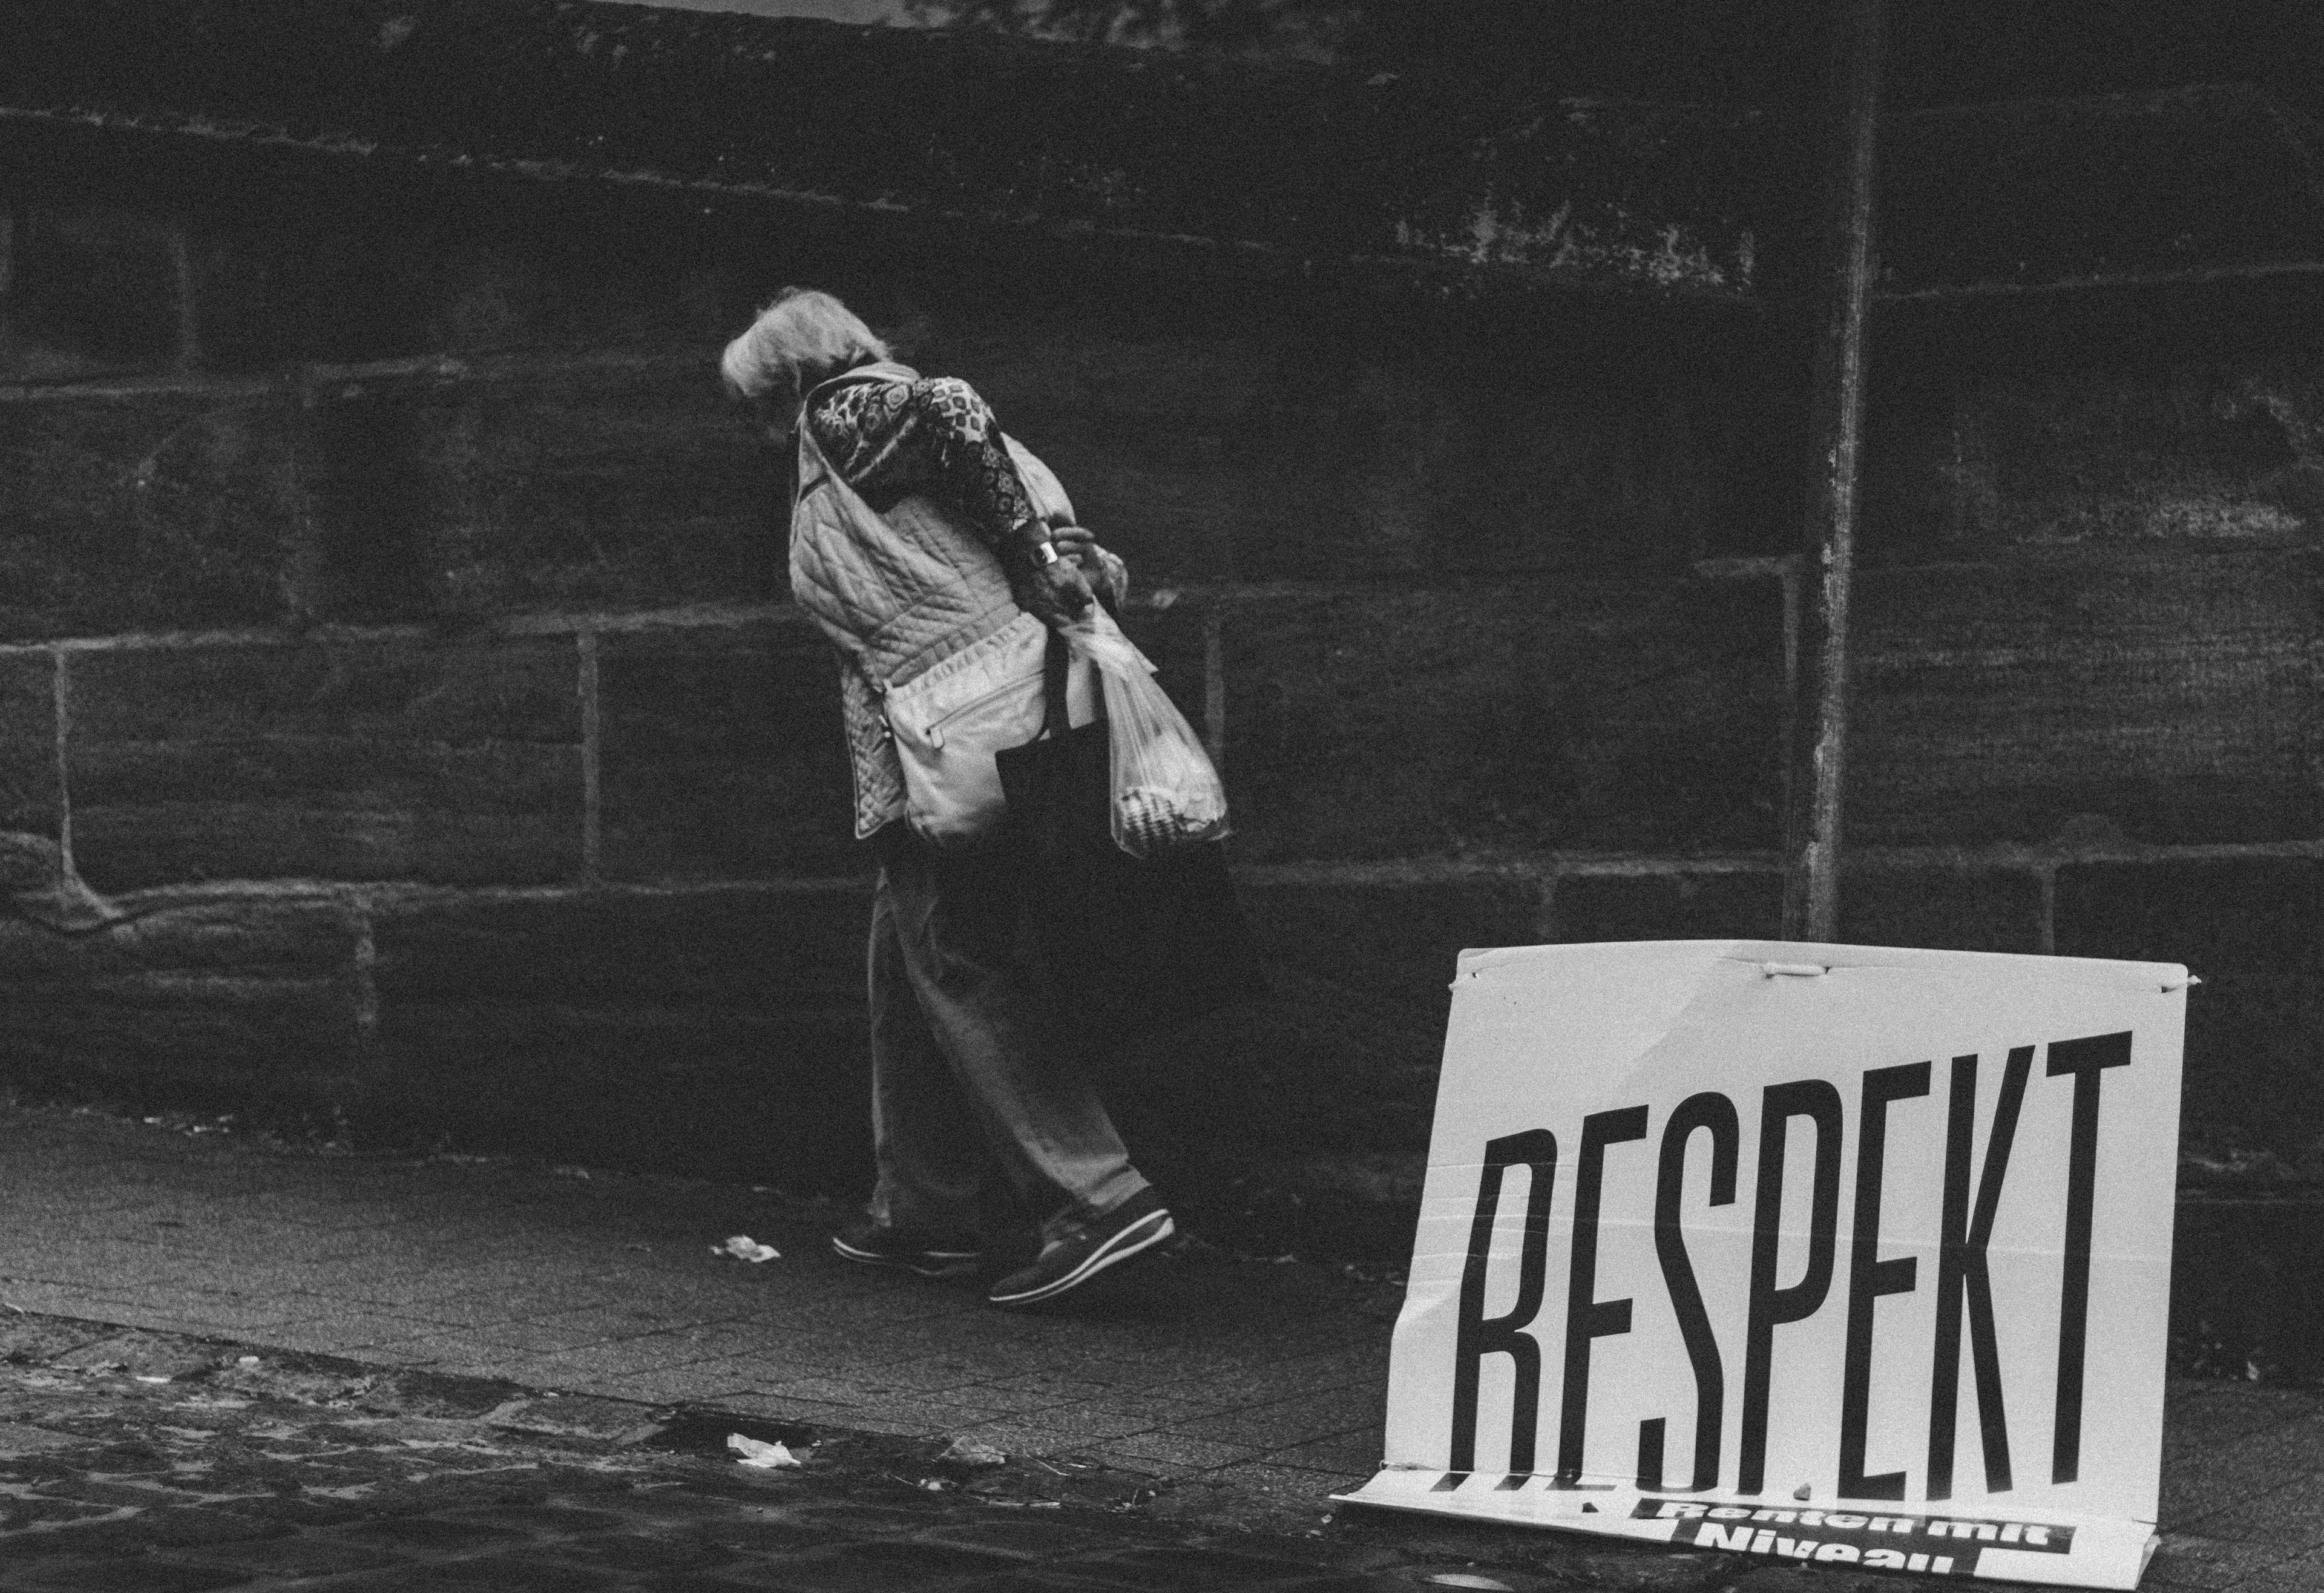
(977, 1109)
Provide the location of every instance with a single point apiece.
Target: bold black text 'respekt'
(1963, 1285)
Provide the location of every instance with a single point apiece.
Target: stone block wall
(403, 718)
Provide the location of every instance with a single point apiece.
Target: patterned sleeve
(971, 459)
(931, 434)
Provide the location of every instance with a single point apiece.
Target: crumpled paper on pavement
(743, 1248)
(759, 1452)
(969, 1451)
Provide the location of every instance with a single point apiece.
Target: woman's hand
(1054, 591)
(1105, 574)
(1078, 543)
(1056, 594)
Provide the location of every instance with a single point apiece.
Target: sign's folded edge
(2035, 1547)
(1832, 956)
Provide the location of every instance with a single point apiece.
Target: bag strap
(1055, 664)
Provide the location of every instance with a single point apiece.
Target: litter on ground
(969, 1451)
(759, 1452)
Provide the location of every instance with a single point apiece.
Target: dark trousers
(973, 1100)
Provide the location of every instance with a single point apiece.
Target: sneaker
(1140, 1223)
(929, 1254)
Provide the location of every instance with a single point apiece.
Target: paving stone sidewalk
(1210, 1395)
(162, 1464)
(1266, 1376)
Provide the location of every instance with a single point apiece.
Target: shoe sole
(926, 1264)
(1145, 1233)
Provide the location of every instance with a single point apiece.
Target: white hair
(804, 337)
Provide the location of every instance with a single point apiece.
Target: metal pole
(1815, 761)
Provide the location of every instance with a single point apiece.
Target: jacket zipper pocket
(935, 730)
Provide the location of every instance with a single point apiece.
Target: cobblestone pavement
(136, 1461)
(230, 1363)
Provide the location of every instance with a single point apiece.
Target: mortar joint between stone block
(584, 642)
(366, 963)
(60, 705)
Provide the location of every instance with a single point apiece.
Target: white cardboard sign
(1841, 1254)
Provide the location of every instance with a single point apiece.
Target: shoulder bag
(948, 721)
(1132, 943)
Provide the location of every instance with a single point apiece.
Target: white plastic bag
(1165, 792)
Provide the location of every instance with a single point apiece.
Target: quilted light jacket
(897, 593)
